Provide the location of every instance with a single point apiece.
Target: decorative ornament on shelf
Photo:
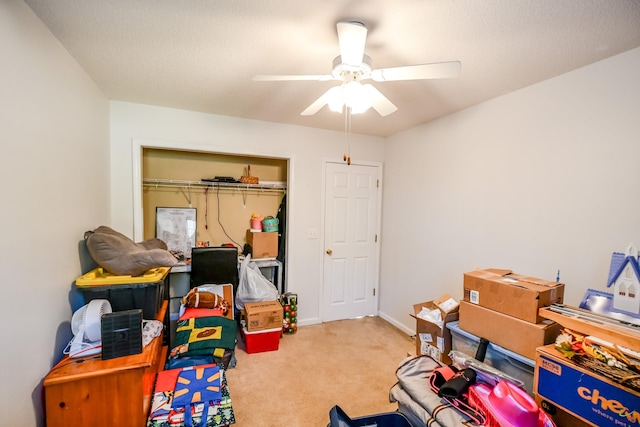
(624, 280)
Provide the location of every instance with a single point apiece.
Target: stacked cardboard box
(431, 338)
(502, 307)
(263, 315)
(263, 244)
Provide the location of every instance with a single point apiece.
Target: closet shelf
(264, 187)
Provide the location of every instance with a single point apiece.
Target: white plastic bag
(253, 287)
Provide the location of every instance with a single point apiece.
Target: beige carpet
(350, 363)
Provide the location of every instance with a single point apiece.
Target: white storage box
(510, 363)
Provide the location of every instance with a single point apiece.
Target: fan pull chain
(349, 144)
(347, 135)
(344, 155)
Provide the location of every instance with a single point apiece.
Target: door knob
(329, 251)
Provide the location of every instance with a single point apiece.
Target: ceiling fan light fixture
(352, 94)
(356, 97)
(335, 99)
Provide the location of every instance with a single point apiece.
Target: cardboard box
(559, 416)
(506, 331)
(263, 315)
(432, 339)
(509, 293)
(263, 244)
(583, 393)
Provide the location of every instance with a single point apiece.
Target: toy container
(146, 292)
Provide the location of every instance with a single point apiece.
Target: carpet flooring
(350, 363)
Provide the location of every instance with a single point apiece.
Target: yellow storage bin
(101, 277)
(146, 292)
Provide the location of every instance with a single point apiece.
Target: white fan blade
(436, 70)
(352, 36)
(379, 102)
(320, 102)
(285, 77)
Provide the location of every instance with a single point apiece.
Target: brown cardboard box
(264, 244)
(506, 331)
(432, 339)
(263, 315)
(509, 293)
(560, 417)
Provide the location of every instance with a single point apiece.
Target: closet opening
(207, 185)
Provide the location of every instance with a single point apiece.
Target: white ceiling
(201, 54)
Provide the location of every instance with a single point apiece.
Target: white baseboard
(307, 322)
(397, 324)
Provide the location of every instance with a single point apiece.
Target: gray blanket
(415, 398)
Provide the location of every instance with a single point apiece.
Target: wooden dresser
(95, 392)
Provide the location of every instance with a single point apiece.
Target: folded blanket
(164, 415)
(204, 336)
(415, 398)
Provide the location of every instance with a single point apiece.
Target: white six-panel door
(350, 241)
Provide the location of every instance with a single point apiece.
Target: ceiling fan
(353, 66)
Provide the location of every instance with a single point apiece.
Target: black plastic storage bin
(338, 418)
(146, 292)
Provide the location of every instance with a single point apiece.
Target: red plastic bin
(259, 341)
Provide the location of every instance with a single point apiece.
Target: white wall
(54, 126)
(542, 179)
(198, 131)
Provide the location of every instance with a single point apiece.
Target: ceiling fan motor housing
(347, 73)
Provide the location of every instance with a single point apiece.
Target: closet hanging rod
(272, 186)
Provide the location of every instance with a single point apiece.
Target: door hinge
(374, 292)
(376, 239)
(377, 183)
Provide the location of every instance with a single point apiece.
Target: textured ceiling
(201, 54)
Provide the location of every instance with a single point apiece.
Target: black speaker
(121, 333)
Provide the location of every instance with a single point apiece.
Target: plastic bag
(253, 286)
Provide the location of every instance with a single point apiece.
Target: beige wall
(540, 180)
(54, 166)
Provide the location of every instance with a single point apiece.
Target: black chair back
(215, 265)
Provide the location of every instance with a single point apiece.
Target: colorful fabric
(204, 336)
(197, 385)
(220, 412)
(190, 312)
(150, 330)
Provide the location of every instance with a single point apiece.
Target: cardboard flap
(498, 271)
(539, 282)
(441, 303)
(508, 276)
(417, 308)
(447, 304)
